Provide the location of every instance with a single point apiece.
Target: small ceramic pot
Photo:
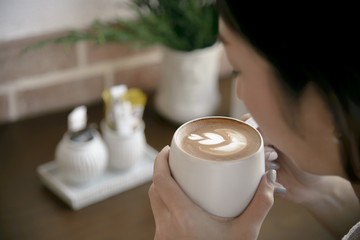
(81, 162)
(124, 151)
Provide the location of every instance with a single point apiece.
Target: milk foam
(220, 142)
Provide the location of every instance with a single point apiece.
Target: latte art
(220, 142)
(219, 139)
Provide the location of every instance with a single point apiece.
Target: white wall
(26, 18)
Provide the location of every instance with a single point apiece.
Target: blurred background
(52, 79)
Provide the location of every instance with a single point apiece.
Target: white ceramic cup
(222, 188)
(124, 151)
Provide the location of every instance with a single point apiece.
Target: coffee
(204, 152)
(218, 139)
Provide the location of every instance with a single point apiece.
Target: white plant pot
(189, 84)
(81, 162)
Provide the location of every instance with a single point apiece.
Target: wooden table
(29, 211)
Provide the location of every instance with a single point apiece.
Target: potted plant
(187, 30)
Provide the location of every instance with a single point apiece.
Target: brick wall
(52, 79)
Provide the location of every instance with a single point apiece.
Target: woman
(298, 75)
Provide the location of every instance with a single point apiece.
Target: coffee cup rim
(261, 147)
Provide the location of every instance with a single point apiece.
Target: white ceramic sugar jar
(81, 162)
(81, 154)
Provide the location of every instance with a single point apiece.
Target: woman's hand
(177, 217)
(330, 199)
(298, 186)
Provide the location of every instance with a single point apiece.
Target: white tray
(106, 185)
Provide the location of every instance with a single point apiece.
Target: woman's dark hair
(308, 44)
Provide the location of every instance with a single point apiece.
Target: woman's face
(311, 144)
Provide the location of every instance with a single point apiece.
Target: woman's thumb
(263, 199)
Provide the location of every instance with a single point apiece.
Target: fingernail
(273, 156)
(273, 165)
(272, 175)
(165, 148)
(280, 190)
(252, 123)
